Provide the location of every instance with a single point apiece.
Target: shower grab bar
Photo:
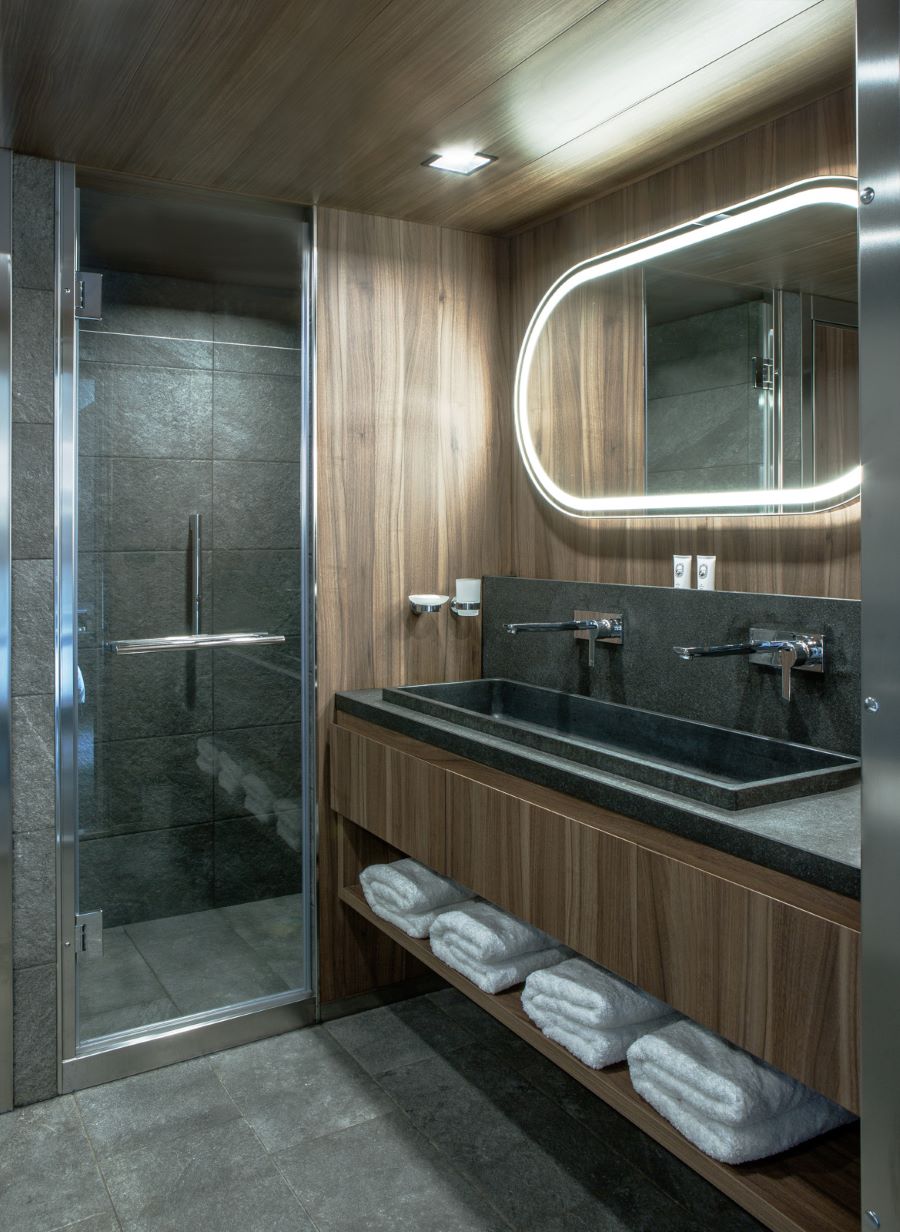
(197, 641)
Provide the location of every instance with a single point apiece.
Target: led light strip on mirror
(830, 190)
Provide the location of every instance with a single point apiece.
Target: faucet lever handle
(788, 656)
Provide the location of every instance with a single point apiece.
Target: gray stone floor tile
(119, 991)
(134, 1112)
(273, 928)
(401, 1034)
(48, 1174)
(217, 1178)
(483, 1027)
(383, 1176)
(298, 1086)
(96, 1223)
(201, 962)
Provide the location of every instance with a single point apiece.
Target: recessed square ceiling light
(460, 162)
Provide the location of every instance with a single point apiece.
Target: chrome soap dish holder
(420, 604)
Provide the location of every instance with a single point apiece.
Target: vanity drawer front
(574, 881)
(779, 981)
(399, 798)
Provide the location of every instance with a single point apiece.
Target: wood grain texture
(746, 952)
(779, 982)
(412, 476)
(810, 1189)
(338, 103)
(570, 879)
(836, 397)
(398, 798)
(810, 555)
(789, 890)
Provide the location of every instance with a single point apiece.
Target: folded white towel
(413, 923)
(740, 1144)
(594, 1046)
(407, 885)
(483, 933)
(581, 992)
(490, 976)
(714, 1078)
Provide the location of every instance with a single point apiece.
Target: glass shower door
(192, 855)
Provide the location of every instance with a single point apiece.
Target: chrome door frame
(6, 886)
(145, 1048)
(878, 88)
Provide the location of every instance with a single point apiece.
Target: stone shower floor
(185, 964)
(425, 1116)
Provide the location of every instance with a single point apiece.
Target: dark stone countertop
(816, 839)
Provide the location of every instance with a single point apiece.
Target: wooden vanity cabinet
(766, 960)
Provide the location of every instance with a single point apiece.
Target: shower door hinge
(89, 934)
(762, 373)
(88, 296)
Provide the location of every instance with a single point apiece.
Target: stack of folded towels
(492, 949)
(731, 1105)
(410, 895)
(591, 1012)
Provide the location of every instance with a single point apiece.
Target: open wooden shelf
(814, 1188)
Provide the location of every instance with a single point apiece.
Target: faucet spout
(606, 628)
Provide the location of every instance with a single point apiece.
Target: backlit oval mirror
(708, 369)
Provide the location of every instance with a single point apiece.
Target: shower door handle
(196, 641)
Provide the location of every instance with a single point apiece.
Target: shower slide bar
(196, 641)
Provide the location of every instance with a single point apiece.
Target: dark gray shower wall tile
(33, 339)
(151, 695)
(700, 352)
(146, 352)
(256, 504)
(34, 1028)
(93, 484)
(256, 685)
(32, 627)
(256, 417)
(90, 600)
(256, 589)
(33, 239)
(149, 503)
(32, 491)
(257, 315)
(149, 785)
(271, 757)
(709, 428)
(148, 594)
(34, 898)
(146, 412)
(705, 479)
(253, 862)
(269, 360)
(145, 876)
(155, 305)
(33, 764)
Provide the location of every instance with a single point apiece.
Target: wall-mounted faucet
(788, 652)
(596, 627)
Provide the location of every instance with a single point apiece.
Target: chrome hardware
(88, 296)
(872, 704)
(196, 574)
(593, 626)
(89, 934)
(420, 604)
(871, 1215)
(762, 373)
(201, 641)
(787, 652)
(866, 197)
(464, 609)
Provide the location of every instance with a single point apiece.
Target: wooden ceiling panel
(339, 101)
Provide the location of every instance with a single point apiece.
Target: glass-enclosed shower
(190, 714)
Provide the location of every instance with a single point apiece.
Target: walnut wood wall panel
(337, 102)
(412, 478)
(814, 555)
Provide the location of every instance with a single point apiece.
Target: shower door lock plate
(88, 296)
(89, 934)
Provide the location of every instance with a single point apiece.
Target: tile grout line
(96, 1158)
(269, 1154)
